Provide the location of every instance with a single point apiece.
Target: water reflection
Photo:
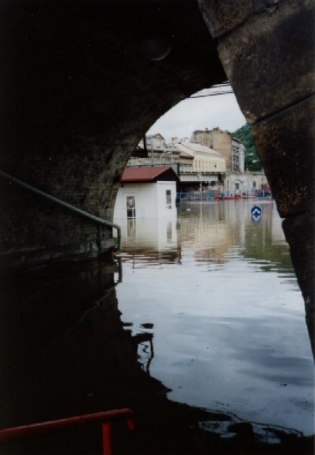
(213, 233)
(204, 307)
(64, 351)
(150, 240)
(227, 312)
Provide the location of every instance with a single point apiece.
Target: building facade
(202, 167)
(229, 147)
(146, 192)
(207, 168)
(197, 165)
(247, 183)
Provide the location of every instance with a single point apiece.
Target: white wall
(245, 181)
(163, 210)
(150, 200)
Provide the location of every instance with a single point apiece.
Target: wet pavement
(197, 325)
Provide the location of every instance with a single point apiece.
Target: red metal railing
(105, 418)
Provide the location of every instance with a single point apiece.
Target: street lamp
(200, 178)
(165, 152)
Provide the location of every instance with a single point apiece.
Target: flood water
(216, 296)
(197, 323)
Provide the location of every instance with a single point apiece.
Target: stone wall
(81, 84)
(82, 81)
(267, 50)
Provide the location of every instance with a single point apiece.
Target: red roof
(149, 174)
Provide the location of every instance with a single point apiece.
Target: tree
(245, 136)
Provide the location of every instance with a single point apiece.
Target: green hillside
(244, 135)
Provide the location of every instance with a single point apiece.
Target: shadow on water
(65, 351)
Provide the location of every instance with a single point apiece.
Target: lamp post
(152, 161)
(200, 178)
(165, 152)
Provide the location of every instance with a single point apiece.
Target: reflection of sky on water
(229, 328)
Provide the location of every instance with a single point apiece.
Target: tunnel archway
(79, 92)
(83, 81)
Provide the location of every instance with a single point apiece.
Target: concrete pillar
(267, 51)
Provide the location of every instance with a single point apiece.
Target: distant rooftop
(149, 174)
(192, 147)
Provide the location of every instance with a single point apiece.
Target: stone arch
(79, 91)
(267, 50)
(82, 81)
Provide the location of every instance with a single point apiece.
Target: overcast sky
(200, 113)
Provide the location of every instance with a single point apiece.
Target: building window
(168, 199)
(254, 184)
(131, 206)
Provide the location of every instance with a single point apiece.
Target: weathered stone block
(299, 232)
(270, 58)
(286, 147)
(223, 16)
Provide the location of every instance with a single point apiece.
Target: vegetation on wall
(244, 135)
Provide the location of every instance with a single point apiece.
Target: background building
(201, 166)
(247, 183)
(197, 165)
(229, 147)
(207, 168)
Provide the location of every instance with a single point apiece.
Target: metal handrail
(105, 418)
(66, 205)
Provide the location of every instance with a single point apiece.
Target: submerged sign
(256, 213)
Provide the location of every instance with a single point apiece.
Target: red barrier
(44, 427)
